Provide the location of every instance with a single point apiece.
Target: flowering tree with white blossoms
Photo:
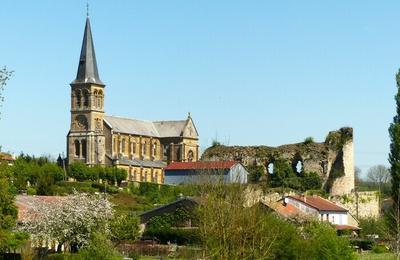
(69, 220)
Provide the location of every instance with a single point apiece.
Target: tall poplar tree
(394, 156)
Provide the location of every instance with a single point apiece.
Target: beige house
(141, 147)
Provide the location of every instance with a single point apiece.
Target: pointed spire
(87, 69)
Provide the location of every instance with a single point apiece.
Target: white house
(205, 171)
(321, 208)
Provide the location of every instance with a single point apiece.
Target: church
(143, 148)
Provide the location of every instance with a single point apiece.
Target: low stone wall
(361, 204)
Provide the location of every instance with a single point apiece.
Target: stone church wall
(332, 160)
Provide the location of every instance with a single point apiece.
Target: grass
(373, 256)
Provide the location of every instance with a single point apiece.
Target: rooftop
(6, 157)
(201, 165)
(318, 203)
(26, 203)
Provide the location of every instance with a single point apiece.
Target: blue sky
(250, 72)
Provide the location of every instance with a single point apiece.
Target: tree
(99, 247)
(255, 173)
(69, 220)
(8, 212)
(394, 156)
(5, 75)
(379, 175)
(124, 228)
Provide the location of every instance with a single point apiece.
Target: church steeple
(87, 69)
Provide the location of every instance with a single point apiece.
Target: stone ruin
(332, 160)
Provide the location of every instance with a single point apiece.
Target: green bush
(99, 248)
(308, 140)
(364, 244)
(379, 249)
(124, 228)
(255, 173)
(31, 191)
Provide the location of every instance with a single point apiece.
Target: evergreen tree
(394, 156)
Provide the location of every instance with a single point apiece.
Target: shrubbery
(285, 176)
(82, 172)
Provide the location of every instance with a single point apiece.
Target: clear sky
(250, 72)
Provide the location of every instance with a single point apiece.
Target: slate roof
(184, 202)
(87, 68)
(170, 128)
(143, 163)
(132, 126)
(201, 165)
(146, 128)
(319, 203)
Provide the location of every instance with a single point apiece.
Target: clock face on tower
(80, 123)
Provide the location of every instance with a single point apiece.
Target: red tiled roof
(6, 157)
(319, 203)
(201, 165)
(346, 227)
(288, 211)
(25, 203)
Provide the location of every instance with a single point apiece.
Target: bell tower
(85, 140)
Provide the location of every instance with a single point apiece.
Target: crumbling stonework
(332, 160)
(360, 204)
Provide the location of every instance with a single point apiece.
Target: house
(186, 203)
(26, 205)
(314, 207)
(5, 157)
(205, 171)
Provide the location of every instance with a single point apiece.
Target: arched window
(133, 147)
(178, 154)
(85, 98)
(95, 94)
(123, 145)
(77, 148)
(144, 148)
(100, 99)
(78, 96)
(84, 148)
(154, 148)
(190, 156)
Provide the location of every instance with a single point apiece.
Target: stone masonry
(332, 160)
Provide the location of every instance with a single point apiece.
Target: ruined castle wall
(345, 184)
(332, 160)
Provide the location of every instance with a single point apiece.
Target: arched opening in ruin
(297, 164)
(299, 167)
(270, 168)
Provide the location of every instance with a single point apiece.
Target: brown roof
(6, 157)
(288, 211)
(25, 203)
(319, 203)
(346, 227)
